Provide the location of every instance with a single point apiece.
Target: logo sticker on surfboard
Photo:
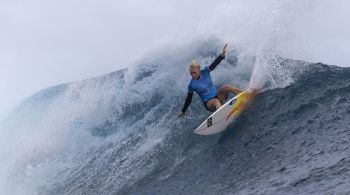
(209, 122)
(233, 101)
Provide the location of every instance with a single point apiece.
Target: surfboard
(226, 114)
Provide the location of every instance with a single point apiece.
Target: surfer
(202, 84)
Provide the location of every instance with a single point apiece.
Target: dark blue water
(292, 140)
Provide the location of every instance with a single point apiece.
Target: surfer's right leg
(225, 90)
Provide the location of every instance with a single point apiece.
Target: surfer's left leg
(225, 90)
(212, 105)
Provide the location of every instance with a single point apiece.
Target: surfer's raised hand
(224, 50)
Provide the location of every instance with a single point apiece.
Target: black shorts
(211, 109)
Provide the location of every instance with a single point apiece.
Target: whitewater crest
(54, 127)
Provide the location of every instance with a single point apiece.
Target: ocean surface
(120, 134)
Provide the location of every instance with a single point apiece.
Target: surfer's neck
(198, 77)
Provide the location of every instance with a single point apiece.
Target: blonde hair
(194, 65)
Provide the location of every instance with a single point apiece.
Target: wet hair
(194, 65)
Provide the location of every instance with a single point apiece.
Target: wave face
(120, 134)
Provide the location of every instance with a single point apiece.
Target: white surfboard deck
(225, 115)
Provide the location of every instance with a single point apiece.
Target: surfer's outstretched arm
(187, 103)
(219, 58)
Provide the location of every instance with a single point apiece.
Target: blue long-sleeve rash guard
(204, 86)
